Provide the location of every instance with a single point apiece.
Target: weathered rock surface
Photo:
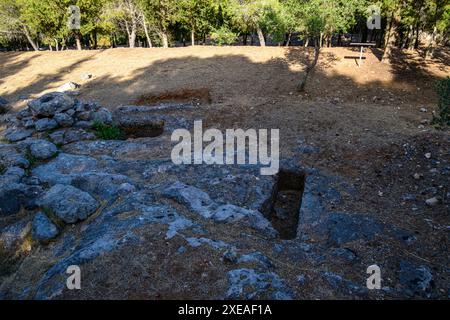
(13, 235)
(43, 228)
(17, 134)
(42, 149)
(250, 284)
(63, 119)
(45, 124)
(50, 104)
(69, 203)
(417, 279)
(201, 231)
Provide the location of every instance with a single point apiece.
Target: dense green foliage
(443, 91)
(43, 23)
(223, 36)
(107, 132)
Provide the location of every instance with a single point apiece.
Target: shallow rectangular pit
(283, 207)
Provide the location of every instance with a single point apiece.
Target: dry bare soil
(364, 123)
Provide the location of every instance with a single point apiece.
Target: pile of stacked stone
(57, 116)
(33, 136)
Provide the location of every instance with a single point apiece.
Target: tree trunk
(131, 33)
(149, 41)
(95, 39)
(164, 39)
(416, 42)
(311, 66)
(132, 37)
(56, 45)
(78, 41)
(30, 40)
(410, 45)
(431, 44)
(417, 25)
(244, 39)
(288, 41)
(306, 42)
(262, 42)
(391, 35)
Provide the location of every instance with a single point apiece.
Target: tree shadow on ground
(13, 64)
(243, 78)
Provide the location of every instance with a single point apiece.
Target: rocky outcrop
(43, 228)
(56, 110)
(68, 203)
(114, 208)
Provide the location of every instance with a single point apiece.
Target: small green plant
(223, 36)
(4, 140)
(443, 91)
(107, 132)
(31, 159)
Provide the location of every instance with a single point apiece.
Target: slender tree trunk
(391, 35)
(244, 39)
(30, 40)
(95, 39)
(306, 42)
(78, 41)
(410, 40)
(164, 39)
(288, 41)
(416, 42)
(56, 45)
(311, 66)
(131, 32)
(132, 38)
(417, 24)
(193, 36)
(149, 41)
(431, 44)
(262, 42)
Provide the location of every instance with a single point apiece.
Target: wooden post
(360, 56)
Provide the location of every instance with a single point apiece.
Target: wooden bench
(362, 45)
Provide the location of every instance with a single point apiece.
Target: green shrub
(443, 91)
(223, 36)
(31, 159)
(107, 132)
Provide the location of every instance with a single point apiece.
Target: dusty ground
(365, 121)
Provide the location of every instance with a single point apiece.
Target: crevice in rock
(283, 207)
(141, 129)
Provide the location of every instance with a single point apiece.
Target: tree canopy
(410, 24)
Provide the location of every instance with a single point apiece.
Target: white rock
(432, 201)
(69, 86)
